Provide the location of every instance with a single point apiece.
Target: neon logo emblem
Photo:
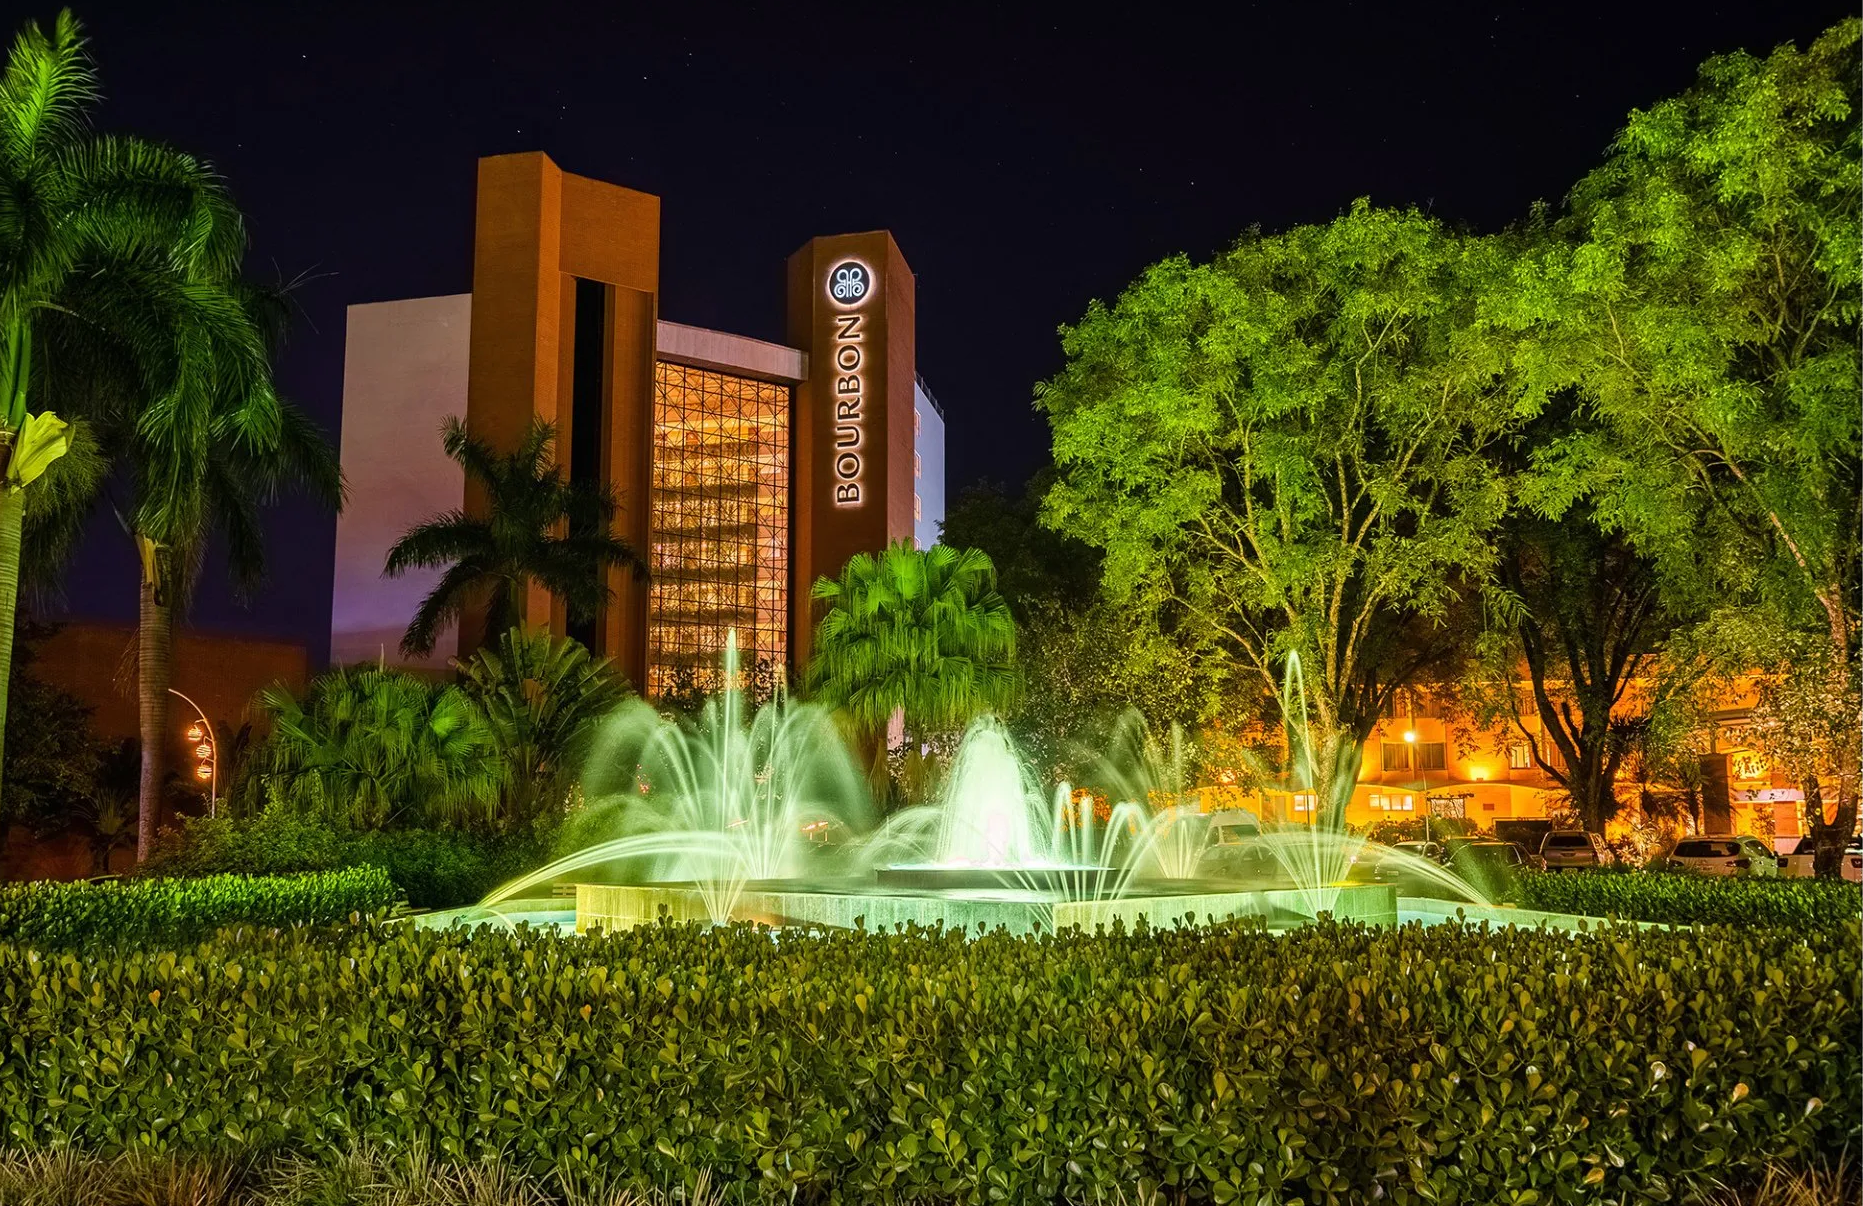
(848, 284)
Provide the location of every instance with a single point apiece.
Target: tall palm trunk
(12, 519)
(154, 673)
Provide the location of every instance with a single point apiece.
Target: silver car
(1570, 851)
(1726, 854)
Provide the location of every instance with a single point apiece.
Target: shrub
(1332, 1064)
(434, 869)
(438, 869)
(171, 911)
(1682, 898)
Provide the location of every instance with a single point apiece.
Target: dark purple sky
(1025, 164)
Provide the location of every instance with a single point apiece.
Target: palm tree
(921, 634)
(373, 747)
(539, 528)
(87, 216)
(189, 470)
(543, 697)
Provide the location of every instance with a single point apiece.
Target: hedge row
(1683, 898)
(436, 869)
(168, 911)
(1335, 1063)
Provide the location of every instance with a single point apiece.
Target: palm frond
(45, 90)
(441, 540)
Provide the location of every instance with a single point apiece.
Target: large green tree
(539, 528)
(919, 633)
(1701, 295)
(1289, 446)
(89, 216)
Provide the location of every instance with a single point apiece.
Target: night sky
(1025, 165)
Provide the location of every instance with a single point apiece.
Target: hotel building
(744, 470)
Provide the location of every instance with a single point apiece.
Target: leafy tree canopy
(1289, 444)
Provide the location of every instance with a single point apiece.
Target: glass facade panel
(720, 525)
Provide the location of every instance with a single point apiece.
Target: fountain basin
(936, 877)
(1019, 911)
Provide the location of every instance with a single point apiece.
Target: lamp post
(206, 753)
(1410, 741)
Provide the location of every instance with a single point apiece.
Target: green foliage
(1682, 898)
(165, 912)
(541, 697)
(1334, 1063)
(540, 527)
(923, 632)
(370, 747)
(1084, 658)
(1288, 447)
(54, 759)
(1699, 297)
(433, 869)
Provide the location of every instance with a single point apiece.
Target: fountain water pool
(760, 814)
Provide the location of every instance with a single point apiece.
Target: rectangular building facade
(743, 469)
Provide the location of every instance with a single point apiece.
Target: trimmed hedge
(1335, 1063)
(169, 911)
(1684, 898)
(435, 869)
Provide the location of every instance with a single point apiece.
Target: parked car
(1573, 850)
(1235, 849)
(1388, 869)
(1798, 857)
(1853, 862)
(1491, 867)
(1726, 854)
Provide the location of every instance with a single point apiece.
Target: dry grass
(362, 1177)
(365, 1177)
(1830, 1184)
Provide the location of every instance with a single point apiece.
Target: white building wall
(404, 373)
(927, 468)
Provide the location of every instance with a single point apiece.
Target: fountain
(761, 814)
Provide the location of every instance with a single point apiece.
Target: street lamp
(1423, 789)
(206, 752)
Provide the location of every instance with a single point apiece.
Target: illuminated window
(1303, 802)
(720, 524)
(1381, 803)
(1519, 756)
(1396, 755)
(1430, 755)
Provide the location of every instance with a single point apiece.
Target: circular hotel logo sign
(849, 283)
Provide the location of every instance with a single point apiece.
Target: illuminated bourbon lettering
(849, 285)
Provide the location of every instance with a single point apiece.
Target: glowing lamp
(203, 750)
(195, 732)
(203, 772)
(1410, 735)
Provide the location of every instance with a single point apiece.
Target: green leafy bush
(434, 869)
(1331, 1064)
(1682, 898)
(164, 912)
(440, 869)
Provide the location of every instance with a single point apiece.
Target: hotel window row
(720, 522)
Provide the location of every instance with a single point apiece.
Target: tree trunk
(12, 519)
(1828, 838)
(154, 672)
